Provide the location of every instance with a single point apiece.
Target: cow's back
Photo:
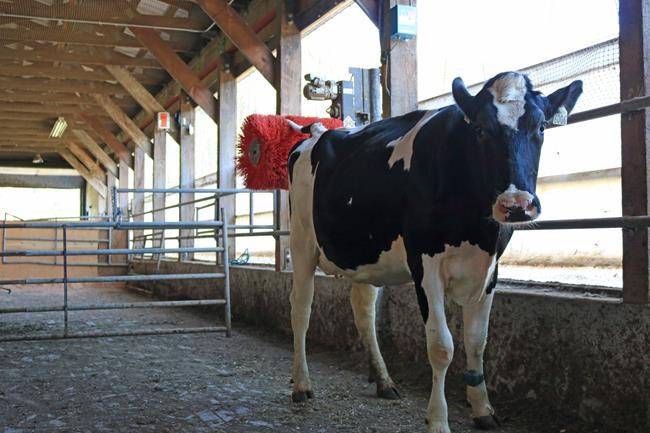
(342, 185)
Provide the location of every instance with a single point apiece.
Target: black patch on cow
(293, 157)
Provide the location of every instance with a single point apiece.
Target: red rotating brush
(264, 147)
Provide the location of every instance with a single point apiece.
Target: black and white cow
(429, 197)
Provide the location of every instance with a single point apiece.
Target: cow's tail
(311, 129)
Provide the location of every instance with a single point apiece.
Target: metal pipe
(172, 206)
(65, 281)
(114, 306)
(104, 23)
(118, 225)
(70, 265)
(70, 241)
(226, 272)
(106, 252)
(637, 222)
(220, 192)
(117, 334)
(113, 279)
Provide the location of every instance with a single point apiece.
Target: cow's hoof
(302, 396)
(487, 422)
(387, 392)
(437, 427)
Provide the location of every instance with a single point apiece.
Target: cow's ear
(463, 98)
(561, 102)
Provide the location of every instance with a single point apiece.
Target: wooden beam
(76, 72)
(97, 56)
(85, 158)
(159, 179)
(634, 53)
(89, 34)
(96, 151)
(60, 86)
(399, 60)
(242, 36)
(135, 89)
(177, 68)
(55, 109)
(125, 123)
(228, 145)
(371, 8)
(289, 73)
(58, 98)
(111, 141)
(187, 169)
(138, 197)
(97, 184)
(115, 12)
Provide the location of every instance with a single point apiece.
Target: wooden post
(121, 237)
(289, 93)
(159, 179)
(187, 173)
(398, 67)
(634, 51)
(111, 181)
(228, 145)
(138, 197)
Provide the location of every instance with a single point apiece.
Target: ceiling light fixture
(38, 159)
(59, 128)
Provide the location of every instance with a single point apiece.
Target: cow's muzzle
(515, 206)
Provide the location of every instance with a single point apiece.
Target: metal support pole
(226, 273)
(65, 281)
(250, 211)
(276, 227)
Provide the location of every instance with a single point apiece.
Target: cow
(430, 197)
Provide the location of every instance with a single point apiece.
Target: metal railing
(220, 231)
(212, 200)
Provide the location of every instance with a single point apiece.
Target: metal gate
(219, 229)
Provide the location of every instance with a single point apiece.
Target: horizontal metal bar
(172, 206)
(77, 265)
(626, 106)
(220, 192)
(592, 223)
(113, 306)
(116, 278)
(79, 241)
(117, 225)
(106, 252)
(117, 334)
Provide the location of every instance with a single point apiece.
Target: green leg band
(473, 378)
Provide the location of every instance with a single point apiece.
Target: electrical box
(403, 20)
(164, 121)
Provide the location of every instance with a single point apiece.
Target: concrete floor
(203, 382)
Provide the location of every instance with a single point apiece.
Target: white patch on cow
(350, 202)
(509, 94)
(463, 273)
(391, 268)
(403, 146)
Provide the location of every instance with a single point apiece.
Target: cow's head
(508, 118)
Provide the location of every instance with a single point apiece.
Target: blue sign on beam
(403, 19)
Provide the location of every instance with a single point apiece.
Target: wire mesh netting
(597, 66)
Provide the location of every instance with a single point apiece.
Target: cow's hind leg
(302, 295)
(363, 298)
(475, 323)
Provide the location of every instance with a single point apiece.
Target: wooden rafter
(135, 89)
(178, 69)
(87, 34)
(125, 123)
(92, 180)
(63, 86)
(115, 12)
(242, 36)
(76, 72)
(93, 56)
(107, 136)
(89, 143)
(60, 98)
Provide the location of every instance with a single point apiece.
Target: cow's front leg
(363, 298)
(475, 323)
(440, 345)
(302, 295)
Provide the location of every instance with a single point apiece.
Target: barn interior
(144, 286)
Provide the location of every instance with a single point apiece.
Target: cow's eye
(543, 127)
(479, 131)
